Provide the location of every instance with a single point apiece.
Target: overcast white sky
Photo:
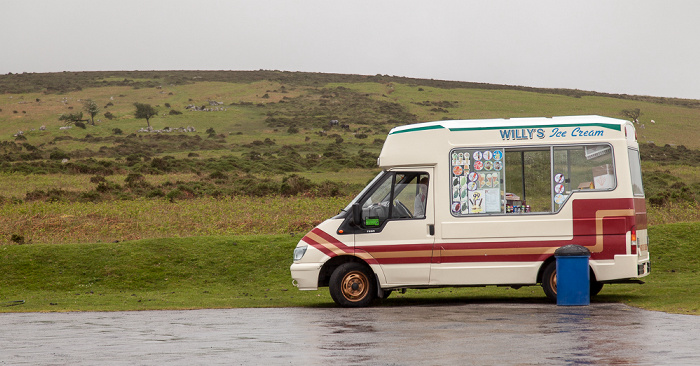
(646, 47)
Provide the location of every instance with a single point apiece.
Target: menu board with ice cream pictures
(476, 179)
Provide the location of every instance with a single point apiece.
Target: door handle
(431, 229)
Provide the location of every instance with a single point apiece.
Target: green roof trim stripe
(611, 126)
(424, 128)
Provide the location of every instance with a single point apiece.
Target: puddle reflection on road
(423, 335)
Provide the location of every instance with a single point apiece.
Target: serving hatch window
(526, 179)
(476, 178)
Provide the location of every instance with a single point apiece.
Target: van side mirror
(357, 214)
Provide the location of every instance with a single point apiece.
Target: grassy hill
(207, 215)
(267, 133)
(252, 271)
(261, 134)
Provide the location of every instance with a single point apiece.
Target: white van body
(485, 202)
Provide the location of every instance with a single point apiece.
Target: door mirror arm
(357, 214)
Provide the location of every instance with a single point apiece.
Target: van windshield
(636, 173)
(364, 190)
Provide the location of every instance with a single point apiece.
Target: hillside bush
(293, 185)
(58, 155)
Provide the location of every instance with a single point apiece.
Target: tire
(549, 282)
(352, 285)
(386, 294)
(595, 286)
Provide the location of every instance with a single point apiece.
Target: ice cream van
(485, 202)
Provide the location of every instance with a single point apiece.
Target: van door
(397, 228)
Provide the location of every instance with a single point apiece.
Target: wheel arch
(327, 269)
(551, 259)
(544, 265)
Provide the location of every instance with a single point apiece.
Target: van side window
(526, 179)
(476, 181)
(582, 168)
(400, 195)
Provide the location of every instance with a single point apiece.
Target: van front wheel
(352, 285)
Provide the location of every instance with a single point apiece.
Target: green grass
(253, 271)
(185, 273)
(88, 271)
(86, 222)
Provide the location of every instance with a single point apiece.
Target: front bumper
(305, 275)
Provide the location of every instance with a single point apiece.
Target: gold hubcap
(553, 282)
(355, 286)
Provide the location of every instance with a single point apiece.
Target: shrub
(97, 179)
(80, 124)
(174, 112)
(91, 196)
(132, 159)
(19, 239)
(109, 115)
(218, 175)
(294, 185)
(172, 195)
(117, 131)
(104, 187)
(58, 155)
(134, 178)
(155, 193)
(160, 164)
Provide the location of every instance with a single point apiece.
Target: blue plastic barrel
(573, 277)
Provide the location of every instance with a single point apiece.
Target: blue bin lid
(572, 250)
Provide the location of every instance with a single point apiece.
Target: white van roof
(427, 143)
(501, 123)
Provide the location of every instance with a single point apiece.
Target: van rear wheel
(549, 282)
(595, 287)
(352, 285)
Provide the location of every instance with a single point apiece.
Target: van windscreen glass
(636, 173)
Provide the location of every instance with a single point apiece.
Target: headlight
(299, 252)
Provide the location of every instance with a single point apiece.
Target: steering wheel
(402, 210)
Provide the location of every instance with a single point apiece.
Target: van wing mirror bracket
(357, 214)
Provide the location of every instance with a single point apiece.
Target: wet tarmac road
(524, 334)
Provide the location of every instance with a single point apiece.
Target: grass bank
(253, 271)
(86, 222)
